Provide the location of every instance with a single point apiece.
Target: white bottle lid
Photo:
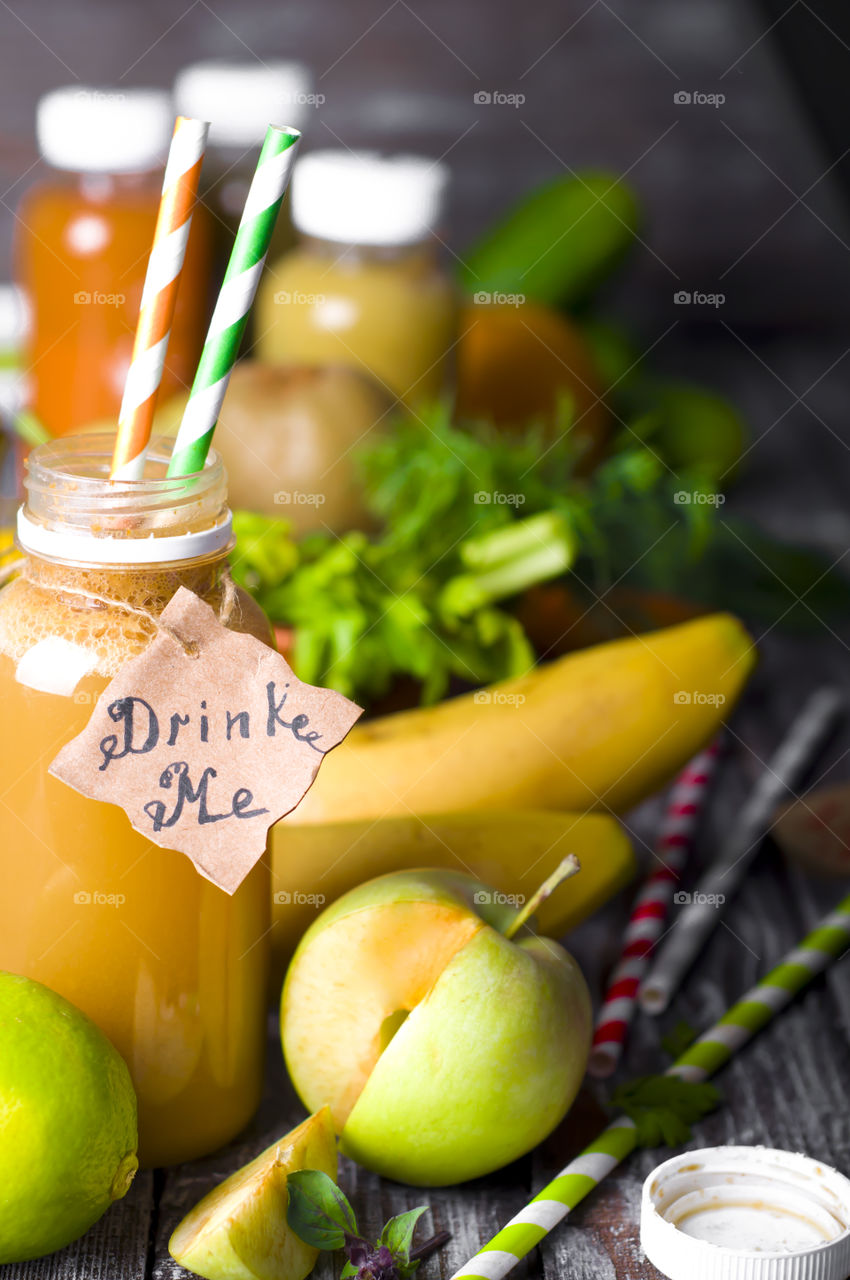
(241, 99)
(363, 198)
(14, 325)
(14, 317)
(92, 130)
(746, 1213)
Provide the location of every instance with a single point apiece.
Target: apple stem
(564, 871)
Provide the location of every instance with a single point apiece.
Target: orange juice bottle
(363, 287)
(167, 964)
(84, 234)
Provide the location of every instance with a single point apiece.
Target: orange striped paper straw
(179, 190)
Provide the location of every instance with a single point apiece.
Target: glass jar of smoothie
(84, 234)
(169, 966)
(364, 286)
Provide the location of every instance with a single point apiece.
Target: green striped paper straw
(234, 301)
(706, 1056)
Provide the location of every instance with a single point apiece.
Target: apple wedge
(443, 1048)
(239, 1231)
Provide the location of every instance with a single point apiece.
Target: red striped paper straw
(179, 190)
(649, 913)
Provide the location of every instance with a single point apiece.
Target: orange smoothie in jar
(171, 968)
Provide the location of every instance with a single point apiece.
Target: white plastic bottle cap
(14, 322)
(241, 99)
(92, 130)
(364, 198)
(14, 317)
(746, 1213)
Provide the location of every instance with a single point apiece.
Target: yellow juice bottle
(364, 287)
(167, 964)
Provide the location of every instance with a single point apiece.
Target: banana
(512, 851)
(599, 729)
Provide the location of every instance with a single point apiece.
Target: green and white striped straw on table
(706, 1056)
(239, 286)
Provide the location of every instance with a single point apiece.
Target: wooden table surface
(789, 1089)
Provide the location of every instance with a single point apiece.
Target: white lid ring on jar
(75, 514)
(746, 1213)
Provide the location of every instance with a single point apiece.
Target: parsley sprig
(468, 518)
(664, 1107)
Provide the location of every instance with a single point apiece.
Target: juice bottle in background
(240, 100)
(83, 238)
(364, 286)
(13, 332)
(13, 327)
(166, 963)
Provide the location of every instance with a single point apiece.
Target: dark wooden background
(741, 199)
(734, 194)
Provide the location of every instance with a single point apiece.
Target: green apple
(443, 1048)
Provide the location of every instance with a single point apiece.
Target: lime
(239, 1231)
(68, 1131)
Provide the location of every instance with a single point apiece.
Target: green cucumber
(558, 244)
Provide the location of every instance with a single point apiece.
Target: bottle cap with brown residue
(746, 1213)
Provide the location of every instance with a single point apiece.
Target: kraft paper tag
(204, 749)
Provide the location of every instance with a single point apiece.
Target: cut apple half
(443, 1048)
(370, 965)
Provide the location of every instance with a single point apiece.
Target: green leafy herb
(318, 1211)
(678, 1039)
(470, 518)
(664, 1107)
(397, 1236)
(321, 1215)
